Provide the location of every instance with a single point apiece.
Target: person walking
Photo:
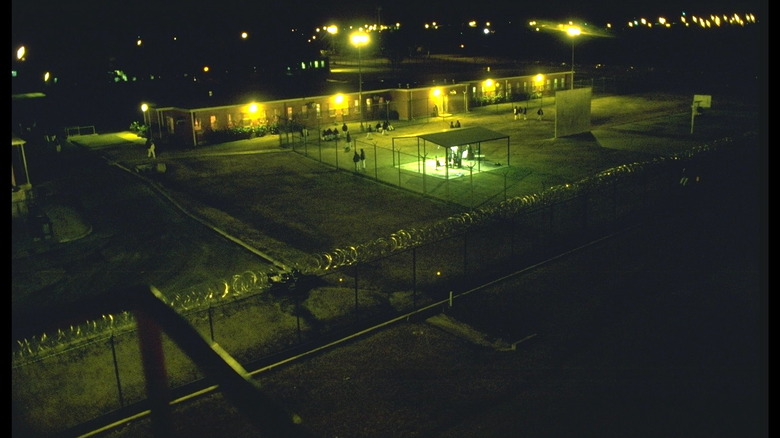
(539, 114)
(525, 113)
(151, 150)
(516, 111)
(363, 159)
(355, 159)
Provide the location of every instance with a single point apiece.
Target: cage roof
(462, 136)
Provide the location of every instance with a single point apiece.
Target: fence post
(116, 371)
(337, 153)
(357, 317)
(298, 316)
(211, 321)
(414, 278)
(465, 253)
(153, 358)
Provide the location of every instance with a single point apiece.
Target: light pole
(147, 124)
(339, 104)
(359, 39)
(539, 79)
(573, 32)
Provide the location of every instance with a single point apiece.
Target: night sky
(92, 17)
(81, 41)
(69, 29)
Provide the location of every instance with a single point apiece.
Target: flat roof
(461, 136)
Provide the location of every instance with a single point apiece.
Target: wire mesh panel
(252, 326)
(53, 397)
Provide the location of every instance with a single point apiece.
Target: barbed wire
(253, 282)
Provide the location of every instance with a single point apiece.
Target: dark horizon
(77, 47)
(50, 20)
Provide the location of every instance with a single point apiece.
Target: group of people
(330, 134)
(517, 112)
(334, 134)
(380, 127)
(455, 124)
(360, 158)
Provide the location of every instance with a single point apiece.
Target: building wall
(189, 126)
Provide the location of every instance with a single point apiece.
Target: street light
(340, 104)
(573, 32)
(539, 80)
(438, 101)
(147, 121)
(359, 39)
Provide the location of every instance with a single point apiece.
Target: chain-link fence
(87, 372)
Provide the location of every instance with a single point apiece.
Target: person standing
(525, 113)
(515, 111)
(355, 159)
(539, 114)
(363, 159)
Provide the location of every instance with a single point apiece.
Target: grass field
(290, 206)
